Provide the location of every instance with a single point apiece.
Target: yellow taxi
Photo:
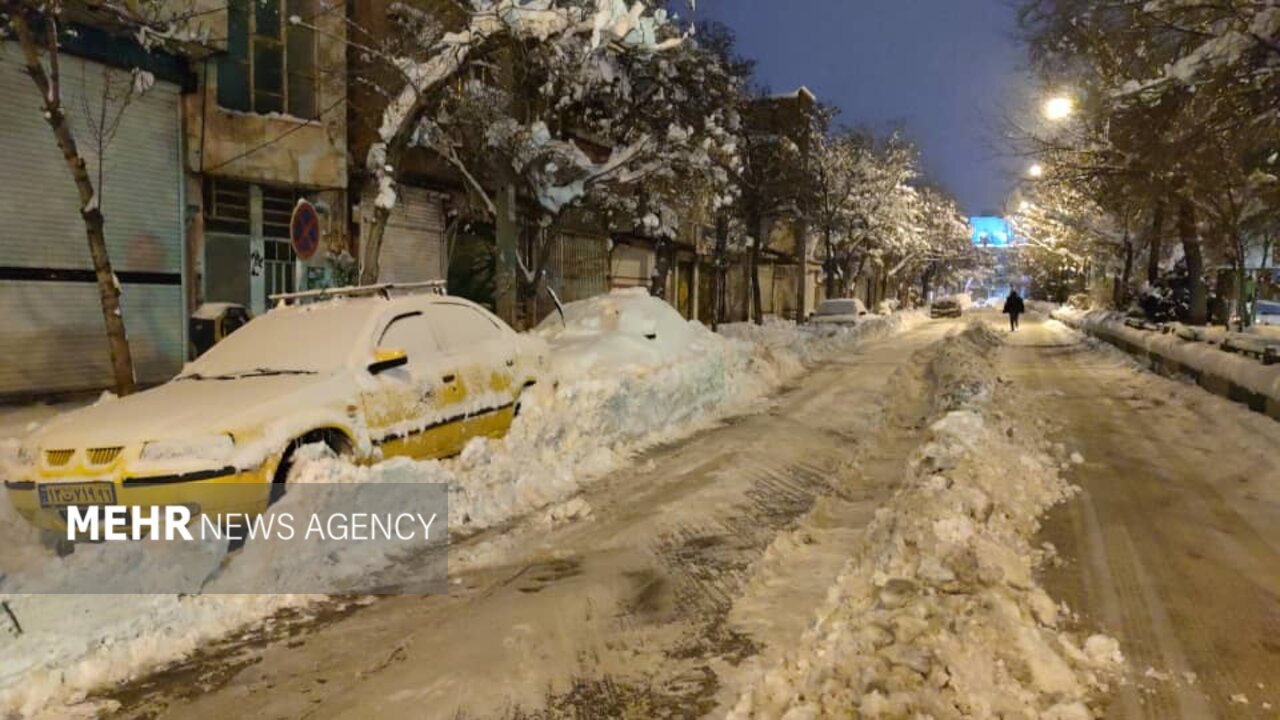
(373, 373)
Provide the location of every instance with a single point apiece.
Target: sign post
(304, 230)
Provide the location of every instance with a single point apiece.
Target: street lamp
(1036, 170)
(1024, 206)
(1058, 108)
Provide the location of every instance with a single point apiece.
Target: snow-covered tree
(559, 101)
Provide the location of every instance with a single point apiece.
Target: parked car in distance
(839, 311)
(944, 308)
(370, 375)
(1268, 312)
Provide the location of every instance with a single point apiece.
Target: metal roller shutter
(51, 330)
(413, 245)
(578, 267)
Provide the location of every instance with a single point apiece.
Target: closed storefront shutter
(413, 244)
(632, 266)
(50, 317)
(579, 266)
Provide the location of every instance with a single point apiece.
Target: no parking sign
(304, 230)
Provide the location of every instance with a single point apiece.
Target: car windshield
(838, 307)
(304, 340)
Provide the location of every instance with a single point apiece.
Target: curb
(1239, 379)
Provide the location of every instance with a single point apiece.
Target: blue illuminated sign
(991, 232)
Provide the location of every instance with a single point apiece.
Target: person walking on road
(1013, 307)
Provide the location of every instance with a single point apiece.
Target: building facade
(265, 127)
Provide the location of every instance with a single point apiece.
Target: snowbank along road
(686, 585)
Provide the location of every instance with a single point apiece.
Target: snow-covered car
(839, 311)
(944, 308)
(372, 377)
(624, 328)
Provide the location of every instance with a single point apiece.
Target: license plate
(66, 494)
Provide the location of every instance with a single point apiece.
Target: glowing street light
(1036, 171)
(1058, 108)
(1024, 206)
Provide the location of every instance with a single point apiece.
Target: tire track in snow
(1177, 542)
(640, 626)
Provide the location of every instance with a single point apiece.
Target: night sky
(942, 67)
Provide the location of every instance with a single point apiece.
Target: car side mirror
(385, 359)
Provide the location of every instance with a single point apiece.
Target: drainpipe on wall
(184, 282)
(257, 253)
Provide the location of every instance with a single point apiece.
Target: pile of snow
(961, 367)
(1039, 307)
(616, 390)
(884, 307)
(788, 347)
(938, 613)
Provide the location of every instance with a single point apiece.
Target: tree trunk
(1121, 294)
(1155, 243)
(90, 213)
(757, 305)
(1241, 281)
(802, 259)
(371, 246)
(1220, 312)
(831, 264)
(507, 231)
(1195, 260)
(662, 252)
(718, 271)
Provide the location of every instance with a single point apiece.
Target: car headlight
(211, 448)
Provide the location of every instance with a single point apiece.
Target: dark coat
(1013, 306)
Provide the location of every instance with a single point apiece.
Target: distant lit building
(992, 231)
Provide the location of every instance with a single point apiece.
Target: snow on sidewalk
(938, 613)
(629, 373)
(1203, 357)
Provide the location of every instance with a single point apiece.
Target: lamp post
(1036, 171)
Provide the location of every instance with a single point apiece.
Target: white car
(1268, 312)
(370, 376)
(839, 311)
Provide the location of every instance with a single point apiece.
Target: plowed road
(647, 608)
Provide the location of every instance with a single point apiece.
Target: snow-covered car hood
(834, 319)
(176, 409)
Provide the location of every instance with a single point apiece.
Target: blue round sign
(304, 230)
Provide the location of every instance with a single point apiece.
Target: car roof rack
(434, 287)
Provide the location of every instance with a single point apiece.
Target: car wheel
(332, 443)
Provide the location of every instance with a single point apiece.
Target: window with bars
(277, 210)
(278, 266)
(270, 63)
(226, 206)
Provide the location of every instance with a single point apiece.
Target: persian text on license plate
(65, 494)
